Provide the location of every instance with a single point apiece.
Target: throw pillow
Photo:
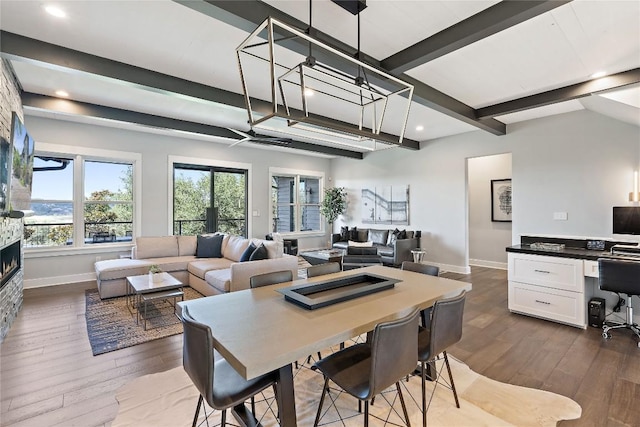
(248, 252)
(353, 234)
(209, 246)
(393, 236)
(361, 244)
(259, 253)
(344, 233)
(402, 234)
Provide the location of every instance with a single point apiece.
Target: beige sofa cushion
(235, 247)
(111, 269)
(200, 266)
(156, 247)
(219, 279)
(275, 249)
(174, 263)
(187, 245)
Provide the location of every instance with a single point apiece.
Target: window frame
(79, 155)
(297, 174)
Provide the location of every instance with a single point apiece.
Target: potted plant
(333, 204)
(155, 273)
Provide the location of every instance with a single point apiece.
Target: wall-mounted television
(21, 166)
(626, 220)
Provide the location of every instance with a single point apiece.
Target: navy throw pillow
(209, 246)
(259, 253)
(247, 252)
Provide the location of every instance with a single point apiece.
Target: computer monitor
(626, 220)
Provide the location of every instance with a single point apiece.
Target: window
(295, 201)
(208, 199)
(80, 199)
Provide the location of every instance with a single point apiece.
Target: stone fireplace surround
(11, 292)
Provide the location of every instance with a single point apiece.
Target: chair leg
(324, 391)
(195, 417)
(453, 386)
(404, 406)
(253, 405)
(424, 393)
(366, 413)
(223, 422)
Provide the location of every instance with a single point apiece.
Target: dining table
(258, 331)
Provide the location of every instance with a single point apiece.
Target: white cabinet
(548, 287)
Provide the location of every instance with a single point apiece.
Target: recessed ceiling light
(55, 11)
(308, 92)
(419, 128)
(598, 74)
(62, 93)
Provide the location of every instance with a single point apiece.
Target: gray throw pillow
(259, 253)
(246, 255)
(209, 246)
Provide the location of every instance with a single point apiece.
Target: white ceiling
(555, 49)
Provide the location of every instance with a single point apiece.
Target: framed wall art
(501, 209)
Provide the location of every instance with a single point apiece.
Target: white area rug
(169, 399)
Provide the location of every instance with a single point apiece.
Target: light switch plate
(560, 216)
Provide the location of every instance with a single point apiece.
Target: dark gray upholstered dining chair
(430, 270)
(365, 370)
(444, 330)
(322, 269)
(272, 278)
(217, 382)
(620, 276)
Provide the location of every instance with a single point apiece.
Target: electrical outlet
(560, 216)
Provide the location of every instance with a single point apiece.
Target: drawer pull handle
(543, 302)
(542, 271)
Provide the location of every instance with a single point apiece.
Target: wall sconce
(634, 196)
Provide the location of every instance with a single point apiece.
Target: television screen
(626, 220)
(5, 174)
(22, 165)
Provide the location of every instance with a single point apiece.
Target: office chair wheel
(606, 335)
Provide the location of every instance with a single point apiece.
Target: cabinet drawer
(560, 306)
(591, 269)
(552, 272)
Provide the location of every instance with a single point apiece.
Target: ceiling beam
(566, 93)
(248, 14)
(483, 24)
(20, 48)
(77, 108)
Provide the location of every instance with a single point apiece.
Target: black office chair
(322, 269)
(357, 257)
(429, 270)
(444, 330)
(272, 278)
(365, 370)
(217, 381)
(622, 277)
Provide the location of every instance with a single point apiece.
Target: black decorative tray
(333, 291)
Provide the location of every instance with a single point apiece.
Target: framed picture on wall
(501, 200)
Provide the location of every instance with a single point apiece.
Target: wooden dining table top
(258, 331)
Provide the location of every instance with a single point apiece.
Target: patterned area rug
(112, 326)
(169, 399)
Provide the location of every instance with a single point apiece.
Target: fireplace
(9, 262)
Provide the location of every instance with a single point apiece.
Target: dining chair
(444, 330)
(216, 380)
(430, 270)
(322, 269)
(366, 369)
(272, 278)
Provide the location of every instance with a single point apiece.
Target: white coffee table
(141, 290)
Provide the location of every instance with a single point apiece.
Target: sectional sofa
(177, 255)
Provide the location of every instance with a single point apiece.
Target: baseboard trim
(58, 280)
(451, 268)
(488, 264)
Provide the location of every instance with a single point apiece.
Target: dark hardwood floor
(48, 376)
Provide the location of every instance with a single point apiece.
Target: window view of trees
(197, 189)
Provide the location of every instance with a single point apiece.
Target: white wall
(579, 162)
(487, 239)
(74, 265)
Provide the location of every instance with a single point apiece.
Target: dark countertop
(568, 252)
